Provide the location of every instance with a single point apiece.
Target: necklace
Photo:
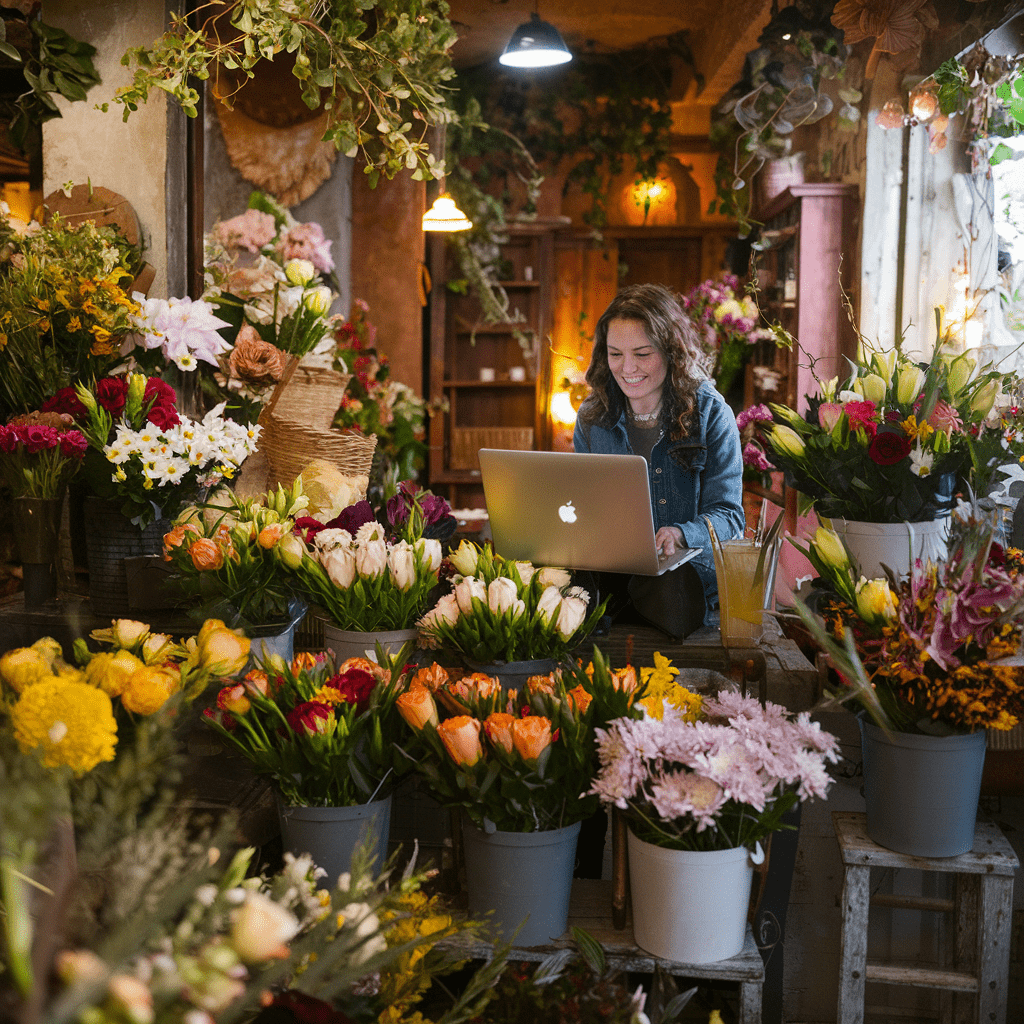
(648, 417)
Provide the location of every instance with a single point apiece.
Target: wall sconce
(655, 194)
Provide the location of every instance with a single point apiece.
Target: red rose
(888, 448)
(311, 718)
(355, 686)
(111, 393)
(66, 400)
(73, 444)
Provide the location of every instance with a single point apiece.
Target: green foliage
(57, 65)
(377, 67)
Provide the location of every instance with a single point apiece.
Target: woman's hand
(669, 540)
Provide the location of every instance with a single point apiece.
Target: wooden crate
(467, 442)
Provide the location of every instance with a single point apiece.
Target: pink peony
(307, 242)
(250, 230)
(945, 417)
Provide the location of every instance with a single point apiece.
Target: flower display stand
(590, 909)
(975, 984)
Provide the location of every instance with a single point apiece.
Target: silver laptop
(574, 510)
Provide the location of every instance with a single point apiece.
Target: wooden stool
(982, 906)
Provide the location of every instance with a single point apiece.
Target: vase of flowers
(727, 323)
(372, 580)
(518, 765)
(325, 732)
(701, 787)
(236, 559)
(893, 444)
(39, 454)
(508, 618)
(928, 659)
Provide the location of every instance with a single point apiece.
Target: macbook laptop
(574, 510)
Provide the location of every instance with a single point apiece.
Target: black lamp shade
(535, 44)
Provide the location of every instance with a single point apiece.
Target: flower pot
(921, 791)
(36, 532)
(348, 643)
(275, 637)
(110, 538)
(513, 674)
(896, 545)
(689, 906)
(521, 878)
(331, 834)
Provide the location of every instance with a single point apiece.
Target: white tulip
(261, 927)
(570, 616)
(502, 593)
(369, 531)
(430, 553)
(526, 571)
(340, 566)
(466, 590)
(402, 565)
(549, 604)
(371, 557)
(552, 577)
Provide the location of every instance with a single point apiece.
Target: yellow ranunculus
(23, 667)
(149, 689)
(110, 671)
(222, 651)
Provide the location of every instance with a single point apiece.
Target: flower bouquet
(238, 558)
(324, 733)
(727, 324)
(65, 293)
(501, 610)
(895, 440)
(375, 404)
(39, 454)
(143, 453)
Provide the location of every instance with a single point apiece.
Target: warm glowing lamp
(444, 215)
(535, 44)
(562, 410)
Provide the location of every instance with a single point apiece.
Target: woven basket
(312, 396)
(289, 447)
(467, 442)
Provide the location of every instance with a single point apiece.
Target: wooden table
(590, 908)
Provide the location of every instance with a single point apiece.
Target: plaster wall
(86, 144)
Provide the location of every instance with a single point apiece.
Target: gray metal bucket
(922, 791)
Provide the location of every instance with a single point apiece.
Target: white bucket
(690, 906)
(896, 545)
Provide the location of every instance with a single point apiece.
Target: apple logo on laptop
(567, 513)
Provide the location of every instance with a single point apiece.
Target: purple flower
(353, 517)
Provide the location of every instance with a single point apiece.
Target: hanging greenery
(379, 68)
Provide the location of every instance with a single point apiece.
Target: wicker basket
(289, 447)
(467, 442)
(312, 395)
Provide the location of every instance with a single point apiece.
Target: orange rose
(176, 537)
(498, 727)
(461, 738)
(417, 707)
(579, 699)
(363, 664)
(531, 735)
(206, 554)
(270, 535)
(431, 678)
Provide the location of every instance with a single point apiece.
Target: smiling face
(637, 365)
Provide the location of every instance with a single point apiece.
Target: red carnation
(163, 417)
(311, 718)
(888, 448)
(862, 415)
(111, 393)
(67, 401)
(37, 437)
(73, 444)
(355, 687)
(8, 440)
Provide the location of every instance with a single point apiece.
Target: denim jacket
(700, 475)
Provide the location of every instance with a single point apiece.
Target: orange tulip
(579, 699)
(540, 684)
(256, 681)
(302, 662)
(498, 727)
(624, 679)
(461, 693)
(417, 707)
(176, 537)
(531, 735)
(461, 738)
(432, 678)
(206, 554)
(270, 535)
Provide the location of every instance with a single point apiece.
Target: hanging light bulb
(535, 44)
(444, 215)
(924, 104)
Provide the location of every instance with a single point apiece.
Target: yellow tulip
(883, 364)
(465, 558)
(871, 387)
(876, 603)
(909, 382)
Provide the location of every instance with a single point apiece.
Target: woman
(651, 396)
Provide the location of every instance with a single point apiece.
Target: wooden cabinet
(807, 261)
(489, 377)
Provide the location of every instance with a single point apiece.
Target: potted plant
(700, 787)
(237, 559)
(371, 580)
(519, 765)
(508, 618)
(39, 454)
(892, 445)
(324, 730)
(929, 660)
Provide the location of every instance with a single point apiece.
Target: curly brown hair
(672, 333)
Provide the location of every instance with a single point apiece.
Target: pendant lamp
(444, 215)
(535, 44)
